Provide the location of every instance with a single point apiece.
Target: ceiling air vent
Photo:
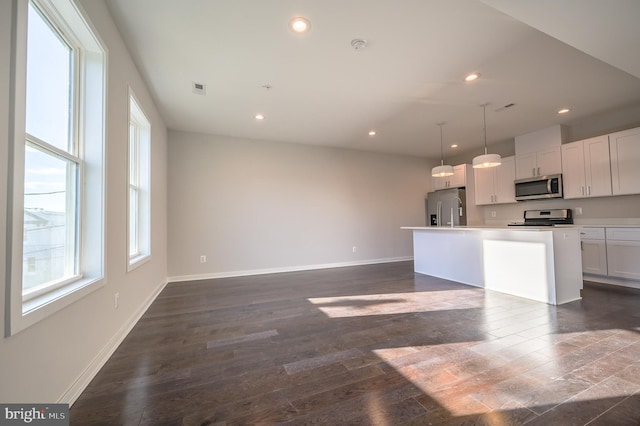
(502, 108)
(199, 88)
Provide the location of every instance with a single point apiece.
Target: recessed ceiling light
(455, 145)
(259, 117)
(372, 133)
(299, 25)
(472, 77)
(563, 111)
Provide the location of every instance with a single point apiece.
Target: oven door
(539, 188)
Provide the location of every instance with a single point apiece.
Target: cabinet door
(594, 257)
(439, 182)
(625, 161)
(549, 161)
(485, 185)
(597, 167)
(505, 174)
(458, 180)
(573, 173)
(526, 165)
(622, 259)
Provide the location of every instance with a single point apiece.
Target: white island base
(542, 264)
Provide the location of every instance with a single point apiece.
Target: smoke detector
(198, 88)
(358, 43)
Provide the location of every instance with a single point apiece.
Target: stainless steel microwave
(539, 187)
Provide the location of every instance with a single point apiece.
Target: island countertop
(539, 263)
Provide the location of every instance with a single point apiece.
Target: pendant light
(487, 160)
(443, 169)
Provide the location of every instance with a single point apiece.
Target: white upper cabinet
(573, 175)
(625, 161)
(542, 163)
(526, 165)
(586, 168)
(495, 185)
(458, 180)
(538, 153)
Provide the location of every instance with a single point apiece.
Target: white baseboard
(74, 391)
(245, 273)
(611, 280)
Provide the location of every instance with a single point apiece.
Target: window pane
(50, 226)
(133, 221)
(139, 210)
(49, 75)
(133, 154)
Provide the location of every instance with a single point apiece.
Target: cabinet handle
(588, 189)
(582, 190)
(533, 171)
(581, 246)
(538, 171)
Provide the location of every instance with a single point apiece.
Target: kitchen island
(542, 264)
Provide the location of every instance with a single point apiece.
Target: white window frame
(139, 183)
(89, 133)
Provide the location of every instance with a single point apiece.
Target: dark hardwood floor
(372, 345)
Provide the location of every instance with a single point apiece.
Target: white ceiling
(408, 78)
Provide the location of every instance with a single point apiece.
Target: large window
(139, 184)
(58, 144)
(49, 250)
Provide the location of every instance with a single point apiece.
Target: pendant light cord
(441, 148)
(484, 118)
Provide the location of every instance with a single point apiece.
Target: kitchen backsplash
(622, 210)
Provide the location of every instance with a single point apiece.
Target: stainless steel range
(545, 218)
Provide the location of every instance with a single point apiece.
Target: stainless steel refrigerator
(447, 206)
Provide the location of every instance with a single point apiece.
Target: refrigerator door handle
(439, 213)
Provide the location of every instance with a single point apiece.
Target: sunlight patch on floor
(463, 393)
(397, 303)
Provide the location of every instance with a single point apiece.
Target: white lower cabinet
(623, 252)
(594, 251)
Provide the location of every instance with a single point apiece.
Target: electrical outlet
(493, 213)
(578, 211)
(203, 259)
(116, 299)
(354, 249)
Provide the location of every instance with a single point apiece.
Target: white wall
(258, 206)
(54, 359)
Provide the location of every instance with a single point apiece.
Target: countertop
(584, 223)
(523, 228)
(490, 227)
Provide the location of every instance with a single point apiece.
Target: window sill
(47, 304)
(136, 262)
